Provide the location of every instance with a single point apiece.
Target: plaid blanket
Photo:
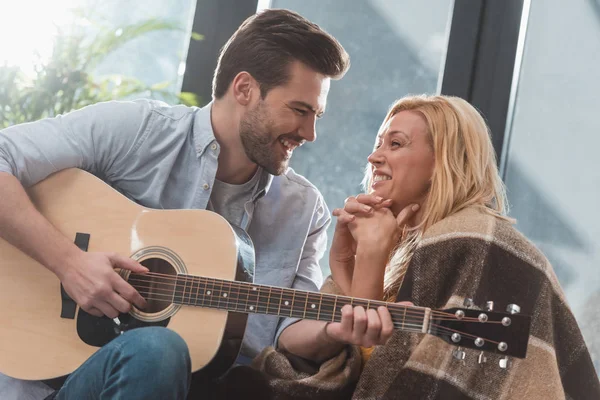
(468, 255)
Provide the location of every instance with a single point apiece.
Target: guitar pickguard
(98, 331)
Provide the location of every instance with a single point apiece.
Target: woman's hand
(380, 231)
(375, 235)
(343, 247)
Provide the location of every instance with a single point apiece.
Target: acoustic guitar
(199, 285)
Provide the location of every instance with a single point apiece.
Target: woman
(432, 229)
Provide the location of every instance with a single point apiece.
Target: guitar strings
(325, 300)
(242, 285)
(418, 323)
(407, 325)
(195, 299)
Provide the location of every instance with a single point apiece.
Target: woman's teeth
(378, 178)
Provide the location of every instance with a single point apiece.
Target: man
(270, 86)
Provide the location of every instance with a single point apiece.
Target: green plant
(67, 82)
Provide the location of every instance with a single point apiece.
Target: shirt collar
(204, 136)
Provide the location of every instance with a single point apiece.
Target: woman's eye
(397, 144)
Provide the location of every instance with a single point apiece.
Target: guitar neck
(263, 299)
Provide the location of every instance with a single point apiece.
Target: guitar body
(37, 343)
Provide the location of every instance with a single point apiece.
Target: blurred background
(530, 66)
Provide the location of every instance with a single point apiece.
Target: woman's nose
(376, 157)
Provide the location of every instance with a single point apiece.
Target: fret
(293, 302)
(251, 304)
(311, 307)
(244, 296)
(326, 307)
(320, 303)
(333, 311)
(274, 306)
(404, 317)
(368, 304)
(287, 296)
(225, 294)
(181, 294)
(180, 289)
(210, 293)
(268, 300)
(258, 295)
(202, 290)
(176, 290)
(194, 295)
(216, 296)
(234, 296)
(297, 304)
(305, 305)
(280, 299)
(188, 290)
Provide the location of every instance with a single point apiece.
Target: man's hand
(363, 328)
(92, 282)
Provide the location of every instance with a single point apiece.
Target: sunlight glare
(28, 27)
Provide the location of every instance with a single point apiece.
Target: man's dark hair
(268, 42)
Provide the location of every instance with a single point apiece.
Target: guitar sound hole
(156, 289)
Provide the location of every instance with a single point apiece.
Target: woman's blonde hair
(464, 174)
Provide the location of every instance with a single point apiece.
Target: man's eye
(300, 111)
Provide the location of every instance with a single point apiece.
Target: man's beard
(258, 141)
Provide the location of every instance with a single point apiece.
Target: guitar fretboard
(263, 299)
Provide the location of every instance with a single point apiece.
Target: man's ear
(244, 88)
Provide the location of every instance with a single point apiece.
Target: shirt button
(205, 186)
(213, 146)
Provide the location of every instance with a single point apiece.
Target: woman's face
(402, 162)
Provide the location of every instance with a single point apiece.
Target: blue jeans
(144, 363)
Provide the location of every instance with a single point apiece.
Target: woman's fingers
(406, 214)
(343, 217)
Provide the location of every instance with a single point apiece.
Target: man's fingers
(127, 292)
(347, 319)
(119, 303)
(342, 330)
(387, 325)
(95, 312)
(107, 310)
(360, 324)
(373, 327)
(119, 261)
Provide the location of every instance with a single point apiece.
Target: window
(396, 48)
(551, 164)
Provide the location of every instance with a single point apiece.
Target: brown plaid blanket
(468, 255)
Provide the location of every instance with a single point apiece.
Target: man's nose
(308, 130)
